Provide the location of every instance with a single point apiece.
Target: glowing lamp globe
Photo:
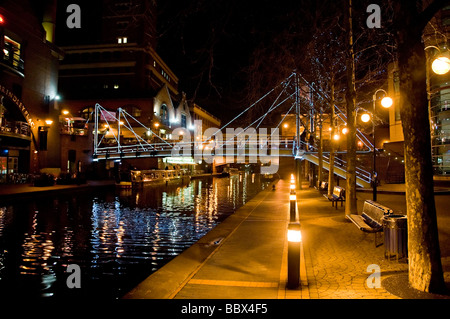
(365, 117)
(386, 102)
(441, 65)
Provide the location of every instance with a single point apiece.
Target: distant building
(115, 57)
(115, 64)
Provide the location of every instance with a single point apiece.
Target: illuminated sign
(18, 103)
(179, 160)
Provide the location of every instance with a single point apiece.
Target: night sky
(228, 53)
(211, 45)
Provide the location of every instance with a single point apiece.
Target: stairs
(362, 177)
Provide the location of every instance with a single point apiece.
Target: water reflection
(117, 238)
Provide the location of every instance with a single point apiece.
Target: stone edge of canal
(169, 279)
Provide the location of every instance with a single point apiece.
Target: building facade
(436, 43)
(28, 88)
(115, 64)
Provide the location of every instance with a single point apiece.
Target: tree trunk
(350, 97)
(332, 146)
(425, 268)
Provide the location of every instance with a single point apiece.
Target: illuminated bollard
(292, 207)
(294, 237)
(292, 200)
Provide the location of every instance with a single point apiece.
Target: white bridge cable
(147, 128)
(101, 113)
(322, 95)
(261, 117)
(259, 100)
(272, 106)
(138, 138)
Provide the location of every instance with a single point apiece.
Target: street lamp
(386, 102)
(365, 117)
(441, 63)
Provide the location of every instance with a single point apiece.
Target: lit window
(116, 86)
(122, 40)
(11, 53)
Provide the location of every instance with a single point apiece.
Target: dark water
(117, 238)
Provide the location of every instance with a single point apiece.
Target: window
(121, 40)
(164, 114)
(183, 120)
(11, 53)
(9, 165)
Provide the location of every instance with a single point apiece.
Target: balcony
(16, 129)
(12, 63)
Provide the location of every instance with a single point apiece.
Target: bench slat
(359, 221)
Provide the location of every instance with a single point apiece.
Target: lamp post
(386, 102)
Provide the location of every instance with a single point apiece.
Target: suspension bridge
(293, 96)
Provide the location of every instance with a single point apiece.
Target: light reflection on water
(118, 238)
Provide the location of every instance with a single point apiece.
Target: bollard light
(294, 233)
(294, 237)
(292, 207)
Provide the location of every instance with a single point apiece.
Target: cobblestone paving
(338, 254)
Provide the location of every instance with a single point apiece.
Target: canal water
(116, 237)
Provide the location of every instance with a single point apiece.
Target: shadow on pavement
(399, 286)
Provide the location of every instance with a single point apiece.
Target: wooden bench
(337, 195)
(370, 220)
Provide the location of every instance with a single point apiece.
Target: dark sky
(227, 53)
(209, 44)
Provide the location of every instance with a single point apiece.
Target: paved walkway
(338, 254)
(245, 257)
